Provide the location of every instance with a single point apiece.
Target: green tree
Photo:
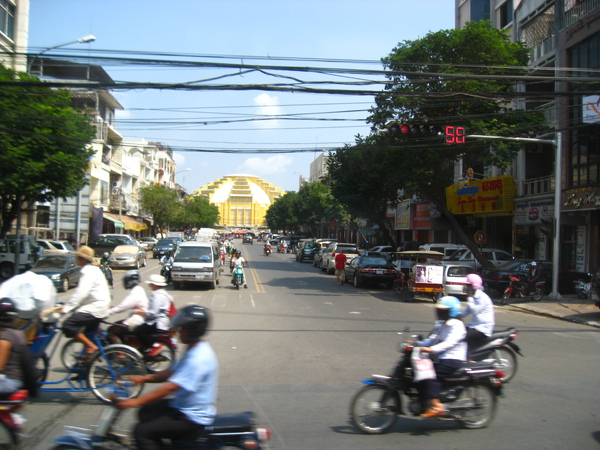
(282, 214)
(163, 203)
(198, 212)
(315, 204)
(460, 77)
(44, 146)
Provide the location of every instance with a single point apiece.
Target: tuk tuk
(420, 274)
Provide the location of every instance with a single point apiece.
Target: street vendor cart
(421, 274)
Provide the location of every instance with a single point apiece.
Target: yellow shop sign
(489, 195)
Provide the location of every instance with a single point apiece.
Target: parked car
(328, 260)
(164, 246)
(108, 242)
(248, 239)
(60, 268)
(455, 278)
(148, 243)
(372, 267)
(306, 251)
(497, 278)
(387, 250)
(55, 245)
(446, 249)
(318, 257)
(465, 257)
(127, 256)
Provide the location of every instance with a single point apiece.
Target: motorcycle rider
(104, 265)
(447, 340)
(192, 381)
(136, 300)
(166, 260)
(267, 246)
(480, 305)
(239, 262)
(533, 276)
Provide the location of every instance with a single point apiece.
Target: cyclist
(192, 383)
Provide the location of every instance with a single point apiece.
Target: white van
(196, 262)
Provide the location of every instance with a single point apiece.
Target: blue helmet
(452, 304)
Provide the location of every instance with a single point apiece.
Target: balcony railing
(579, 11)
(537, 186)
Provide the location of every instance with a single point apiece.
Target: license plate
(379, 272)
(121, 262)
(200, 277)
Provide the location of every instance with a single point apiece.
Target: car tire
(357, 283)
(7, 270)
(65, 285)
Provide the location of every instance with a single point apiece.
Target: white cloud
(267, 107)
(262, 167)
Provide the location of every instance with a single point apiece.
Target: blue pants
(431, 388)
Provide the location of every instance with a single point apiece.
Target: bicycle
(106, 367)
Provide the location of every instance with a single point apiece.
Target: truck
(206, 234)
(27, 254)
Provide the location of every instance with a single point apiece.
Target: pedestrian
(340, 265)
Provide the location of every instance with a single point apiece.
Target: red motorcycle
(517, 287)
(11, 421)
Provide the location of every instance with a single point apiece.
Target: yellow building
(243, 200)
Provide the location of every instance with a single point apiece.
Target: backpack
(172, 310)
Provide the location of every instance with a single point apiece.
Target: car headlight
(55, 277)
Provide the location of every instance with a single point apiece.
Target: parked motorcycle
(469, 396)
(228, 430)
(583, 288)
(500, 351)
(237, 276)
(267, 250)
(517, 288)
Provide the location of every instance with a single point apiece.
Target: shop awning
(127, 222)
(117, 222)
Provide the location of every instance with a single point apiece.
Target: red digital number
(455, 135)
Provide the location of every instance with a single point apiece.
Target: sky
(309, 33)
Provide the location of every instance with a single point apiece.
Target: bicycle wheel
(118, 363)
(374, 409)
(7, 438)
(163, 360)
(69, 353)
(477, 406)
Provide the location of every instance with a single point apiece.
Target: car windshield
(51, 262)
(310, 245)
(165, 242)
(457, 255)
(193, 254)
(458, 271)
(62, 245)
(346, 249)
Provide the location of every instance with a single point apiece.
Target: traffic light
(400, 129)
(548, 227)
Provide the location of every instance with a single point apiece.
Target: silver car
(127, 256)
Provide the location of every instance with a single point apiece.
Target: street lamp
(184, 170)
(82, 40)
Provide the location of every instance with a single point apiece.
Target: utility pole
(557, 143)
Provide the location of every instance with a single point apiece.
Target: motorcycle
(107, 271)
(165, 271)
(267, 250)
(228, 430)
(500, 351)
(11, 420)
(583, 288)
(518, 287)
(469, 396)
(237, 276)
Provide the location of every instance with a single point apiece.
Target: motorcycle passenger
(447, 342)
(480, 305)
(239, 263)
(104, 265)
(13, 345)
(91, 299)
(192, 381)
(267, 246)
(157, 316)
(136, 300)
(533, 275)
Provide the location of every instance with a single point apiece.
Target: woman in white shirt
(447, 341)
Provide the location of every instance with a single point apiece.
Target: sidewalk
(568, 307)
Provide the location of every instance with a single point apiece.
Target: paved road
(294, 346)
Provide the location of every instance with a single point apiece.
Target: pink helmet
(474, 280)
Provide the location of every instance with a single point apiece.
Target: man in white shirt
(481, 306)
(239, 262)
(137, 300)
(91, 299)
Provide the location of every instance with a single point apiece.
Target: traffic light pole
(557, 143)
